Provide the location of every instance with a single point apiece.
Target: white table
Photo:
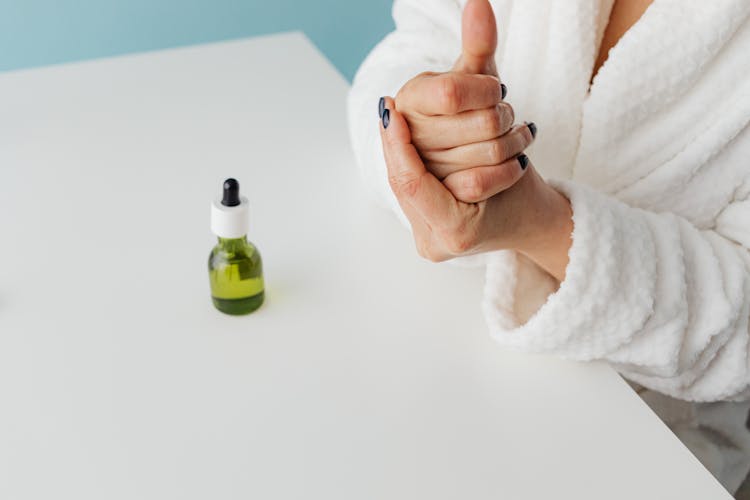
(368, 374)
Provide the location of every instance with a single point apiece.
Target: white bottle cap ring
(230, 222)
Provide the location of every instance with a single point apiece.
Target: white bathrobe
(654, 156)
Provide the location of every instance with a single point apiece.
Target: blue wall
(40, 32)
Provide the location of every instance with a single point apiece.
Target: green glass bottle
(235, 268)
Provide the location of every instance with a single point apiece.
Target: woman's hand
(532, 217)
(459, 123)
(455, 127)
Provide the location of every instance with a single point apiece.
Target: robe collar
(651, 68)
(547, 50)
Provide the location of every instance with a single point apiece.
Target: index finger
(449, 93)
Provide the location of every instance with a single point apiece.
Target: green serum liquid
(235, 270)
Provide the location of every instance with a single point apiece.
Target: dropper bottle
(235, 269)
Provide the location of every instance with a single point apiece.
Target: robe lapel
(546, 55)
(642, 83)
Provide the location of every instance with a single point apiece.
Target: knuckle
(403, 102)
(508, 116)
(472, 188)
(403, 98)
(459, 242)
(402, 95)
(449, 94)
(490, 86)
(497, 152)
(492, 121)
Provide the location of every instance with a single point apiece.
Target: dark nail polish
(523, 160)
(386, 118)
(503, 91)
(381, 107)
(532, 128)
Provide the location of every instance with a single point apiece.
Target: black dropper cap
(231, 196)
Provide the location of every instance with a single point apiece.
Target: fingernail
(532, 128)
(386, 117)
(523, 160)
(381, 107)
(503, 91)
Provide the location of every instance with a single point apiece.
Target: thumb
(416, 189)
(478, 39)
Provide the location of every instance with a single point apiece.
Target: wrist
(547, 235)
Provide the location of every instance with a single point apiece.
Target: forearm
(549, 239)
(535, 220)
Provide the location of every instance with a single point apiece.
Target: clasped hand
(456, 164)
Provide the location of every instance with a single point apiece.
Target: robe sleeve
(666, 303)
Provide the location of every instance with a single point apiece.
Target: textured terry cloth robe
(654, 156)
